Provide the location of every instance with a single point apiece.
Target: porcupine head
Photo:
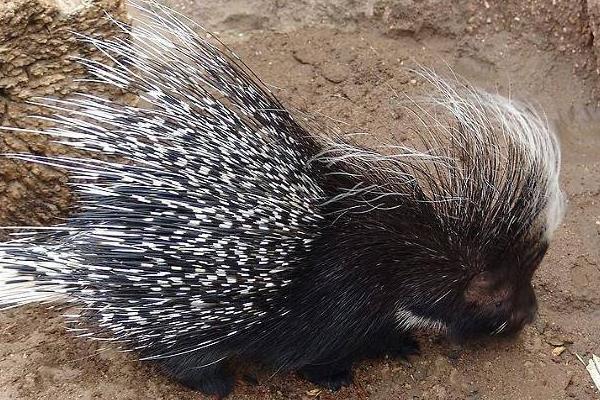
(460, 227)
(234, 231)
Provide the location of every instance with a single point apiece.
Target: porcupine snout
(525, 310)
(504, 301)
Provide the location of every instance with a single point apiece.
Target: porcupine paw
(403, 346)
(219, 385)
(216, 380)
(328, 377)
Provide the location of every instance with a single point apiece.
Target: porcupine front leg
(213, 379)
(390, 341)
(393, 343)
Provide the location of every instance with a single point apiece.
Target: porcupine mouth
(510, 329)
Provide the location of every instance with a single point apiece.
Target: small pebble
(557, 351)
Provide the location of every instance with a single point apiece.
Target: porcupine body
(232, 232)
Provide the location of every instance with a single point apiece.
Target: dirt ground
(348, 61)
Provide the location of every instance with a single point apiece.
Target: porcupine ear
(480, 288)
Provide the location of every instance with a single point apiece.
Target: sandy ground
(351, 65)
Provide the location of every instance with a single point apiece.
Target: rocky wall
(37, 46)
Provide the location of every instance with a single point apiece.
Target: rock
(36, 51)
(557, 351)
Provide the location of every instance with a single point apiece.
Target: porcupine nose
(525, 316)
(526, 310)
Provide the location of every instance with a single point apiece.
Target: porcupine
(233, 232)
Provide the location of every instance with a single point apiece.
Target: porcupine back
(227, 202)
(215, 207)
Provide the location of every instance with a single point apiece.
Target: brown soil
(349, 63)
